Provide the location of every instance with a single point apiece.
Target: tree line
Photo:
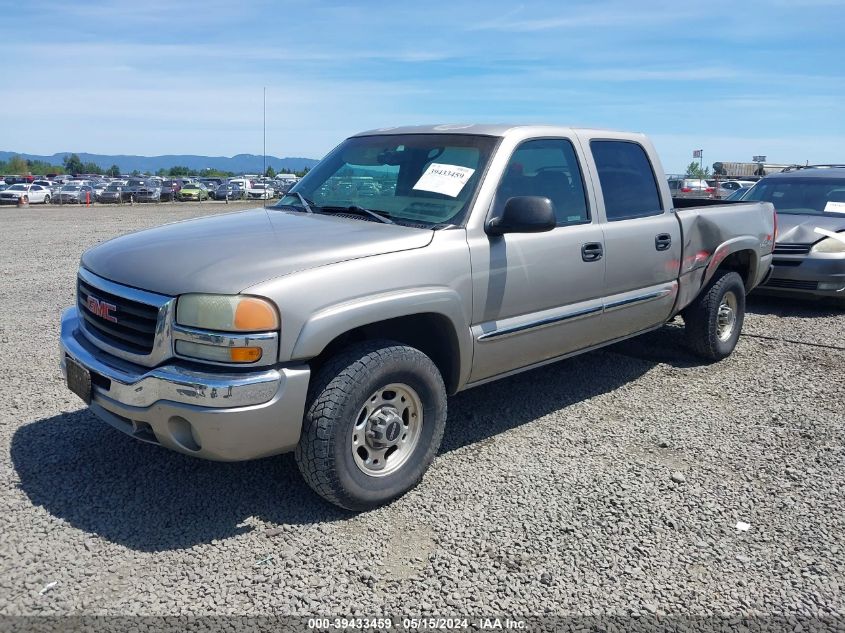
(694, 170)
(72, 164)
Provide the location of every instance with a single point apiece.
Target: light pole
(264, 128)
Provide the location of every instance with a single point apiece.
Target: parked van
(243, 183)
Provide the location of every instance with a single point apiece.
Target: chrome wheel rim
(387, 429)
(726, 316)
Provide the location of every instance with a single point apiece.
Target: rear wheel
(374, 422)
(47, 199)
(713, 322)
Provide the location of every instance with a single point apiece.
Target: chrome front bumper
(220, 416)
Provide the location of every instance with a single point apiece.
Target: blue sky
(733, 78)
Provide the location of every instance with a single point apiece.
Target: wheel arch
(744, 262)
(739, 256)
(431, 321)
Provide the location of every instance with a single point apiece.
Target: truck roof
(482, 129)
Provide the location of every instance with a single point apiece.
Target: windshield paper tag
(446, 179)
(834, 207)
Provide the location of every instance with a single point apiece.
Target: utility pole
(264, 150)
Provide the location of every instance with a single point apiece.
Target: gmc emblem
(101, 308)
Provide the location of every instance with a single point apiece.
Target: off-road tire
(701, 317)
(337, 393)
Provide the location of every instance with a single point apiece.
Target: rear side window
(547, 168)
(627, 180)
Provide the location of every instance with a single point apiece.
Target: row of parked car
(153, 189)
(708, 188)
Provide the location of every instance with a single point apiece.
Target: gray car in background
(810, 250)
(149, 191)
(111, 194)
(131, 188)
(75, 194)
(229, 192)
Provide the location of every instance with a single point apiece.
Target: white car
(260, 191)
(34, 193)
(733, 185)
(52, 186)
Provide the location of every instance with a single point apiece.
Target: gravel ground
(612, 483)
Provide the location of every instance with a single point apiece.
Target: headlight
(227, 313)
(829, 245)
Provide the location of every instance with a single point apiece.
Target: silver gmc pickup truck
(409, 264)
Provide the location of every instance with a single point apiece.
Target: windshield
(417, 178)
(113, 188)
(806, 196)
(71, 188)
(17, 188)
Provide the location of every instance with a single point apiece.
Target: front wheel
(714, 320)
(373, 424)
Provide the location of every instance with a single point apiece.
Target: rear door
(642, 235)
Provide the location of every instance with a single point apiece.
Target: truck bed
(686, 203)
(712, 230)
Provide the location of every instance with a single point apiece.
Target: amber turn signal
(244, 354)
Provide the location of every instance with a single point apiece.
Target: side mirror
(523, 214)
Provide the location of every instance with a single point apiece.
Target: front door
(538, 296)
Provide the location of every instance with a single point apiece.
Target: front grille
(792, 249)
(136, 323)
(794, 284)
(787, 262)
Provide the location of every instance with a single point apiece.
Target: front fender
(325, 325)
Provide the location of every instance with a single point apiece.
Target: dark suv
(809, 255)
(170, 190)
(131, 188)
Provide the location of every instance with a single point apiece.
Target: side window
(627, 180)
(548, 168)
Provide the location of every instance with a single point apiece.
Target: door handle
(592, 251)
(663, 242)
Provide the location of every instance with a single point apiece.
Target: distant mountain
(242, 163)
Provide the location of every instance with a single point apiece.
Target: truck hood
(224, 254)
(798, 229)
